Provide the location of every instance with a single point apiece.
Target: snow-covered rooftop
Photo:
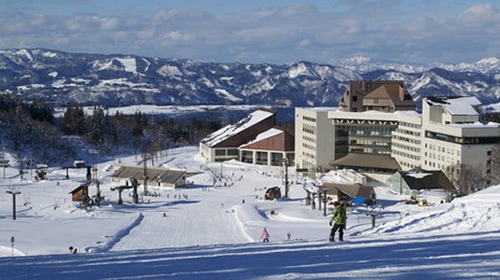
(264, 135)
(456, 106)
(233, 129)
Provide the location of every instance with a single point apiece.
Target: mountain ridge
(114, 80)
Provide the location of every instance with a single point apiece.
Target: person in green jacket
(338, 220)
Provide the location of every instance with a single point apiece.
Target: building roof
(458, 105)
(233, 129)
(273, 139)
(154, 173)
(368, 160)
(427, 179)
(355, 190)
(82, 186)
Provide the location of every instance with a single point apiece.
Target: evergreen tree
(96, 127)
(73, 121)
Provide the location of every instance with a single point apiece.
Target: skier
(265, 235)
(338, 219)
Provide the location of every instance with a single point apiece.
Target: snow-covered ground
(212, 230)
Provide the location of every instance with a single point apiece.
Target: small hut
(80, 195)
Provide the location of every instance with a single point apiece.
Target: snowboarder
(338, 220)
(265, 235)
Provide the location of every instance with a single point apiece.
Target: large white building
(447, 134)
(314, 145)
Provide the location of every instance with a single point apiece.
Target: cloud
(480, 13)
(320, 32)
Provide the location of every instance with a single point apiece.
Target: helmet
(335, 203)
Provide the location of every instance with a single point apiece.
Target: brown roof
(278, 140)
(356, 190)
(367, 160)
(82, 186)
(154, 173)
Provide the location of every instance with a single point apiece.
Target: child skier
(265, 235)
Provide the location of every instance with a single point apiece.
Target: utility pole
(94, 175)
(145, 160)
(325, 200)
(13, 193)
(285, 165)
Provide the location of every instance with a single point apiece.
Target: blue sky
(258, 31)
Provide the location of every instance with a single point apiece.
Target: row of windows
(311, 119)
(308, 139)
(406, 139)
(436, 165)
(442, 149)
(406, 155)
(408, 132)
(368, 142)
(411, 125)
(309, 129)
(406, 147)
(441, 158)
(307, 146)
(228, 152)
(408, 165)
(461, 140)
(370, 131)
(307, 155)
(367, 150)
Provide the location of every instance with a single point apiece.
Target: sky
(213, 231)
(278, 32)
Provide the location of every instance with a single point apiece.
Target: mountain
(119, 80)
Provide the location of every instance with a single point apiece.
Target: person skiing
(265, 235)
(338, 220)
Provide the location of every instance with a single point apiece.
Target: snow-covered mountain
(118, 80)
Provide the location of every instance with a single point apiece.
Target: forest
(33, 135)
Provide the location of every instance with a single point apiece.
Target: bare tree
(466, 178)
(495, 164)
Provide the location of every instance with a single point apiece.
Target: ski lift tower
(4, 163)
(13, 192)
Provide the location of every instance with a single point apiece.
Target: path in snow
(187, 221)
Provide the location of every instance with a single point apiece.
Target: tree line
(33, 134)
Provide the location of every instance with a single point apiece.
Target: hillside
(211, 230)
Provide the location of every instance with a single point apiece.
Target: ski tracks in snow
(183, 223)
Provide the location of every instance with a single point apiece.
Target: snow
(233, 129)
(265, 135)
(211, 230)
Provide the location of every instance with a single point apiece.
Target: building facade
(446, 135)
(314, 138)
(382, 96)
(254, 139)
